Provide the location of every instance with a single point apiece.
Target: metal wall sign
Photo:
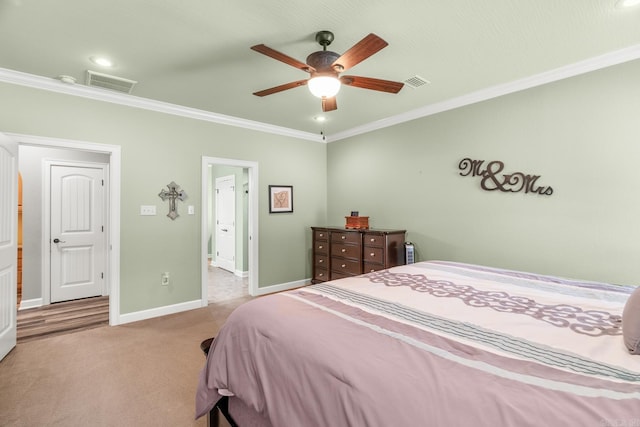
(492, 178)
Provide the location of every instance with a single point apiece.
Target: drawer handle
(321, 274)
(344, 265)
(321, 234)
(343, 237)
(320, 247)
(373, 239)
(344, 250)
(320, 261)
(373, 254)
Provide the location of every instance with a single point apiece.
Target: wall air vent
(106, 81)
(416, 81)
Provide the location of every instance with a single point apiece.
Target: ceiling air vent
(416, 81)
(106, 81)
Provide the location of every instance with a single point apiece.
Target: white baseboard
(282, 287)
(238, 273)
(30, 303)
(192, 305)
(159, 311)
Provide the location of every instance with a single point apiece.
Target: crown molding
(596, 63)
(592, 64)
(98, 94)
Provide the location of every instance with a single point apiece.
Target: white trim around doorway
(252, 221)
(113, 245)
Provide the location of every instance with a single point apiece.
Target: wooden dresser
(339, 252)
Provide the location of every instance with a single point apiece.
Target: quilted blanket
(432, 343)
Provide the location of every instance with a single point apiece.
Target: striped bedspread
(434, 344)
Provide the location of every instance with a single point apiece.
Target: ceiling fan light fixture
(627, 3)
(324, 86)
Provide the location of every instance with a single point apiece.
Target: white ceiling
(195, 53)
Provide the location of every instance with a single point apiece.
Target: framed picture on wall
(280, 198)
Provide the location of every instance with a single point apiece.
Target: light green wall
(581, 135)
(159, 148)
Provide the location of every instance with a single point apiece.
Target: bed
(433, 343)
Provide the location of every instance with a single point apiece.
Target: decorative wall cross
(174, 193)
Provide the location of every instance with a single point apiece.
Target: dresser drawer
(346, 237)
(347, 251)
(321, 248)
(371, 239)
(321, 275)
(321, 261)
(371, 267)
(345, 266)
(321, 235)
(339, 275)
(375, 255)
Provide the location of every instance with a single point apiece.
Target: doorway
(244, 263)
(36, 279)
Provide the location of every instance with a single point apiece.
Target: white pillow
(631, 322)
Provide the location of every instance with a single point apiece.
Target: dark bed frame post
(222, 407)
(213, 420)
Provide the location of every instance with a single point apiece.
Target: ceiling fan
(325, 68)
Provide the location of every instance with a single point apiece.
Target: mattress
(432, 343)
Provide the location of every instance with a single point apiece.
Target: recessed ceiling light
(627, 3)
(102, 61)
(320, 118)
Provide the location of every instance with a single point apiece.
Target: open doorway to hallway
(65, 212)
(36, 156)
(229, 229)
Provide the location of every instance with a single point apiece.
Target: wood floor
(62, 318)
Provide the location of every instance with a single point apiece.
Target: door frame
(46, 221)
(112, 279)
(252, 220)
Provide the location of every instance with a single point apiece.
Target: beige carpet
(139, 374)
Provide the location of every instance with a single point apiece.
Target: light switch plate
(191, 210)
(147, 210)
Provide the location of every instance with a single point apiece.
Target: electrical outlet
(165, 279)
(148, 210)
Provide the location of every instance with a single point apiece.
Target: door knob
(56, 240)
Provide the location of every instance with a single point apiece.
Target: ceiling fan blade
(373, 84)
(280, 88)
(359, 52)
(329, 104)
(265, 50)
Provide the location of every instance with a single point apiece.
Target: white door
(8, 243)
(77, 256)
(225, 222)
